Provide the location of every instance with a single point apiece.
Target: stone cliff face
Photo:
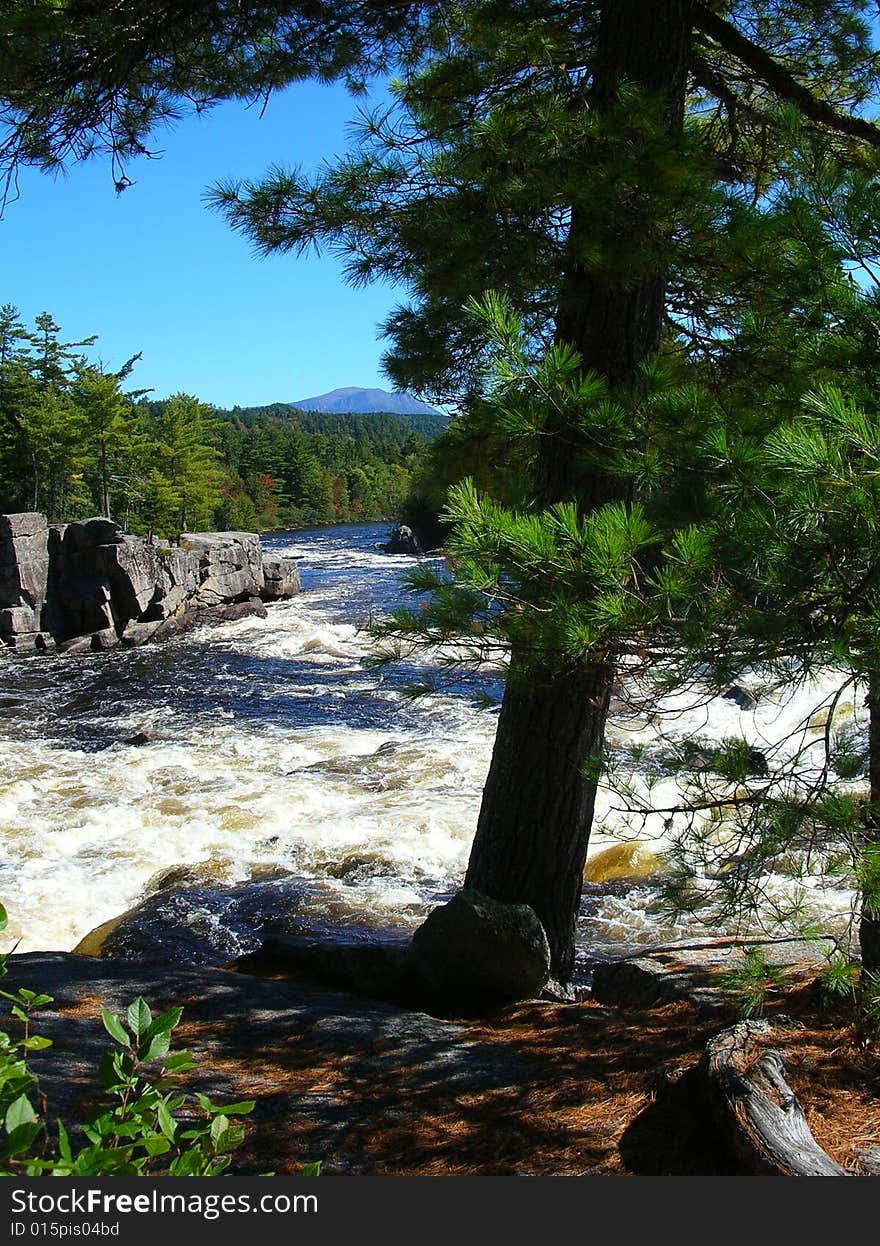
(90, 585)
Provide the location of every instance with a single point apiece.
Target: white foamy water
(285, 783)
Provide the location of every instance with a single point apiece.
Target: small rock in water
(138, 739)
(403, 541)
(740, 697)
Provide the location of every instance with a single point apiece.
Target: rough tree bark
(869, 925)
(535, 820)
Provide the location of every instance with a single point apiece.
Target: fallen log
(756, 1108)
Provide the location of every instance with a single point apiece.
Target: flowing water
(257, 775)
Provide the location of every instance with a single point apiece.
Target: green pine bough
(147, 1127)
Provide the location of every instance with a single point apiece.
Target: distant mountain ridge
(352, 400)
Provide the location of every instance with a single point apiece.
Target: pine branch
(778, 79)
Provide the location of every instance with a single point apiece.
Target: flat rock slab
(329, 1072)
(694, 971)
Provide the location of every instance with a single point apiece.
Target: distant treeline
(74, 442)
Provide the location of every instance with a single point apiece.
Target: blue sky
(154, 270)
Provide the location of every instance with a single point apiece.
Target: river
(256, 775)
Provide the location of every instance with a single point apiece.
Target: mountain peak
(353, 400)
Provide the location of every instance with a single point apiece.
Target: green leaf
(180, 1060)
(156, 1046)
(235, 1109)
(230, 1139)
(167, 1123)
(20, 1138)
(139, 1017)
(64, 1143)
(165, 1023)
(36, 1042)
(4, 919)
(113, 1026)
(18, 1113)
(189, 1164)
(219, 1126)
(311, 1170)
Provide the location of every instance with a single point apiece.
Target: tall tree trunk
(537, 810)
(105, 487)
(869, 925)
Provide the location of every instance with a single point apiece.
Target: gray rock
(403, 541)
(85, 580)
(377, 970)
(90, 532)
(230, 565)
(23, 642)
(280, 578)
(17, 621)
(740, 697)
(695, 971)
(132, 570)
(27, 523)
(139, 633)
(24, 566)
(87, 604)
(76, 644)
(392, 1068)
(105, 639)
(477, 952)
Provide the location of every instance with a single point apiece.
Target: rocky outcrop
(280, 578)
(24, 571)
(89, 585)
(698, 972)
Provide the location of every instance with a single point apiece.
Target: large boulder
(230, 566)
(474, 952)
(403, 541)
(280, 578)
(24, 571)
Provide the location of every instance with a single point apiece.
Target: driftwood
(756, 1108)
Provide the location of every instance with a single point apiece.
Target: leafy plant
(845, 984)
(147, 1126)
(750, 983)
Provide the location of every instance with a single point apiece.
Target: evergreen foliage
(74, 443)
(666, 456)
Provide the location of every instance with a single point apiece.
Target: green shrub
(147, 1127)
(750, 983)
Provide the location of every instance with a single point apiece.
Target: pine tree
(185, 464)
(108, 420)
(611, 169)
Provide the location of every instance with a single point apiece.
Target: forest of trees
(75, 442)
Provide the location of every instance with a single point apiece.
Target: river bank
(539, 1088)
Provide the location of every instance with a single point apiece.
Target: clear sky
(154, 270)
